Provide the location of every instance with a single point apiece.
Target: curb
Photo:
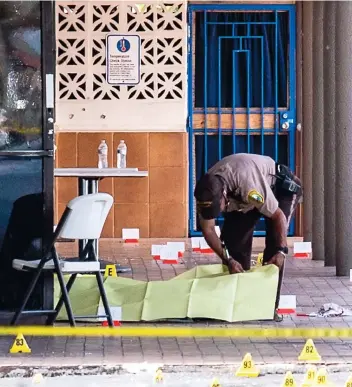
(150, 368)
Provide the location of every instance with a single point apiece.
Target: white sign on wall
(123, 59)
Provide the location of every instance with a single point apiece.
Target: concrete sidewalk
(310, 281)
(184, 379)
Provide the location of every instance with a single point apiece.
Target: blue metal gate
(242, 91)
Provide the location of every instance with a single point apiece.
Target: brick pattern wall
(156, 204)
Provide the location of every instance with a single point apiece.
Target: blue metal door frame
(283, 115)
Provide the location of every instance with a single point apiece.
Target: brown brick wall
(156, 204)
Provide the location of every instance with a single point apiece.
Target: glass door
(26, 143)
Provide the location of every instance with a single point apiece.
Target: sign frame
(107, 38)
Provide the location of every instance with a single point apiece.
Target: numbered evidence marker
(116, 314)
(287, 304)
(310, 376)
(321, 378)
(110, 271)
(155, 252)
(179, 246)
(169, 255)
(309, 352)
(196, 244)
(204, 247)
(20, 345)
(158, 377)
(247, 367)
(37, 378)
(349, 382)
(130, 235)
(215, 383)
(302, 250)
(260, 260)
(289, 380)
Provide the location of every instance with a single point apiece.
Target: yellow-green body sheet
(207, 291)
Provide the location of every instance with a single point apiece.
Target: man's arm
(280, 228)
(208, 228)
(214, 242)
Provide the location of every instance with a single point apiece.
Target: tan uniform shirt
(248, 179)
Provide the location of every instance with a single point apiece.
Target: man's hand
(278, 259)
(234, 267)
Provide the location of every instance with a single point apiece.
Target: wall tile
(128, 215)
(60, 210)
(167, 149)
(167, 184)
(67, 189)
(66, 153)
(107, 185)
(87, 148)
(164, 155)
(108, 230)
(137, 149)
(167, 220)
(131, 189)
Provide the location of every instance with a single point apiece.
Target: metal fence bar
(205, 91)
(276, 81)
(248, 54)
(191, 171)
(234, 102)
(262, 96)
(242, 23)
(248, 103)
(292, 99)
(219, 98)
(233, 118)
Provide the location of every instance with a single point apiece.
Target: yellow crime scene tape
(177, 332)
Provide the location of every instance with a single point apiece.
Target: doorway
(27, 61)
(242, 89)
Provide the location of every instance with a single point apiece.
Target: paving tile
(310, 281)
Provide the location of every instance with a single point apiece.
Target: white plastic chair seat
(65, 266)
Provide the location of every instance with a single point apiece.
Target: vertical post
(318, 130)
(298, 228)
(329, 133)
(307, 132)
(343, 137)
(48, 98)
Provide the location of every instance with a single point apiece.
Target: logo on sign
(123, 45)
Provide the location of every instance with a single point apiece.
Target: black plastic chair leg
(51, 318)
(29, 292)
(104, 299)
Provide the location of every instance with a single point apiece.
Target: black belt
(285, 181)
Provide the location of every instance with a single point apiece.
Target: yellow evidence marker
(37, 378)
(110, 271)
(289, 380)
(247, 367)
(309, 352)
(215, 383)
(260, 259)
(20, 345)
(349, 382)
(309, 377)
(158, 377)
(321, 378)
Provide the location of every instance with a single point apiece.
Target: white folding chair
(83, 219)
